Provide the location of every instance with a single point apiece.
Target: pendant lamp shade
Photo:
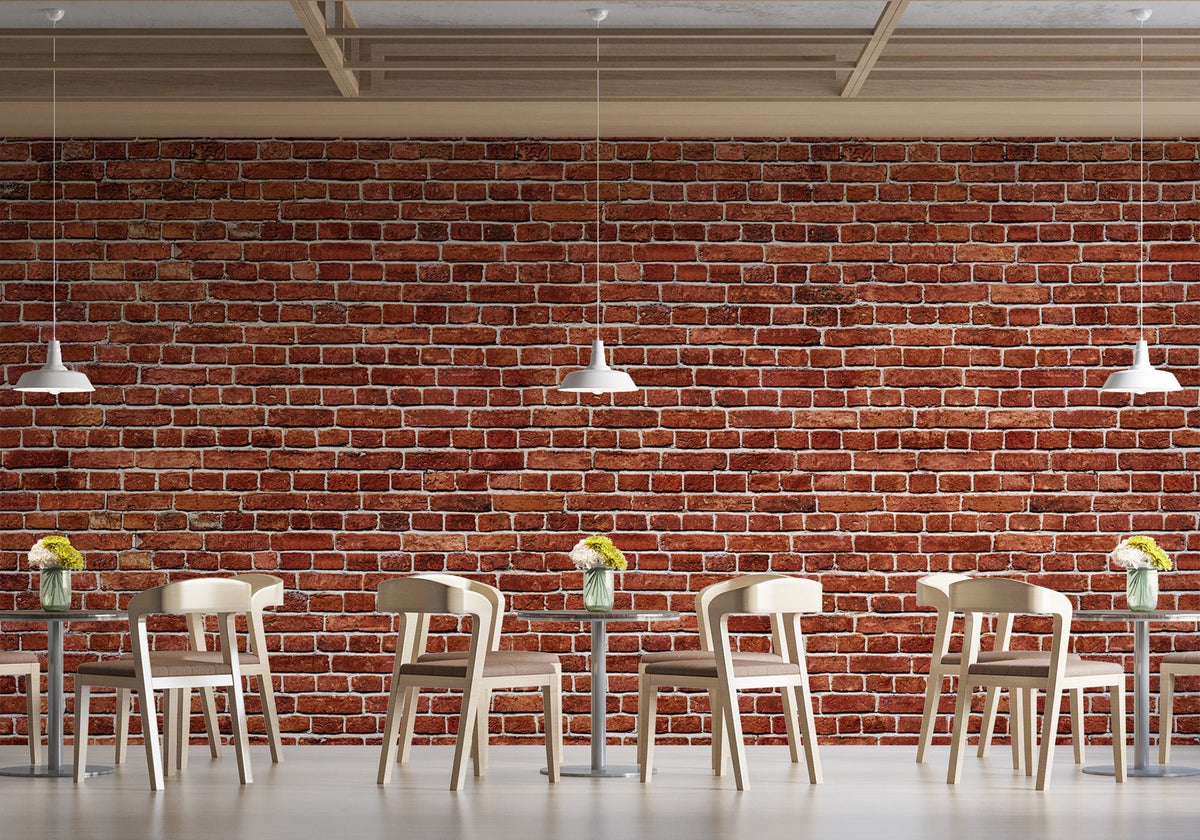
(54, 377)
(1141, 378)
(597, 377)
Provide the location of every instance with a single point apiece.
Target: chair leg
(1117, 701)
(1049, 736)
(479, 746)
(1029, 700)
(720, 744)
(183, 726)
(121, 726)
(208, 704)
(1016, 727)
(409, 722)
(33, 715)
(791, 721)
(1166, 712)
(552, 711)
(241, 737)
(154, 764)
(641, 719)
(1078, 733)
(391, 729)
(958, 738)
(933, 694)
(82, 699)
(466, 734)
(170, 734)
(987, 726)
(648, 701)
(737, 746)
(808, 727)
(266, 694)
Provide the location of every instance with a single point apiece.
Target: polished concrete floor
(330, 792)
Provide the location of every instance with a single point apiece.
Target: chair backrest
(416, 598)
(495, 598)
(934, 591)
(265, 591)
(977, 596)
(705, 596)
(223, 596)
(782, 598)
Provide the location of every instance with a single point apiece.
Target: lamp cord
(54, 181)
(599, 316)
(1141, 175)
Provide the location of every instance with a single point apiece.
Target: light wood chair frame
(934, 591)
(415, 599)
(266, 591)
(785, 600)
(973, 598)
(1167, 673)
(226, 598)
(32, 672)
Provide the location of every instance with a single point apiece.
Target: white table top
(65, 615)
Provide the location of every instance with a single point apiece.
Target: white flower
(584, 557)
(40, 557)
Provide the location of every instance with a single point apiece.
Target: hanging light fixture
(597, 377)
(1141, 378)
(54, 377)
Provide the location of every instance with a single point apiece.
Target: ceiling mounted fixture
(597, 377)
(54, 377)
(1141, 378)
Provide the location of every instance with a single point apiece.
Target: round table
(56, 704)
(1141, 687)
(599, 768)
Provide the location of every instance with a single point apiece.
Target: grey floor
(330, 792)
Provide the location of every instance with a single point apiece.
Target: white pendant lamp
(1141, 378)
(54, 377)
(597, 377)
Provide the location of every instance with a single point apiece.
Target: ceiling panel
(107, 14)
(1047, 14)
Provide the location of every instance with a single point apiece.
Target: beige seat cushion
(698, 664)
(1006, 655)
(163, 663)
(497, 663)
(211, 656)
(677, 655)
(1182, 657)
(16, 657)
(1039, 669)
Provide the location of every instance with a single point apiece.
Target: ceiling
(875, 68)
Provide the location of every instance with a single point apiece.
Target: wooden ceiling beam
(312, 18)
(889, 19)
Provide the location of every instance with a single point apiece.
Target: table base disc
(42, 771)
(1157, 771)
(608, 771)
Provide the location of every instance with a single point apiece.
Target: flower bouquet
(1142, 559)
(598, 558)
(55, 558)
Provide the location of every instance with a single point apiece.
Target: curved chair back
(934, 590)
(783, 598)
(199, 595)
(1006, 598)
(266, 590)
(419, 596)
(495, 598)
(706, 595)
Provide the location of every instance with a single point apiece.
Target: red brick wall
(860, 361)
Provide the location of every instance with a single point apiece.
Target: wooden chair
(477, 671)
(973, 598)
(1180, 663)
(934, 591)
(266, 591)
(722, 672)
(15, 663)
(145, 672)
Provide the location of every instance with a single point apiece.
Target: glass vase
(56, 589)
(598, 589)
(1141, 589)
